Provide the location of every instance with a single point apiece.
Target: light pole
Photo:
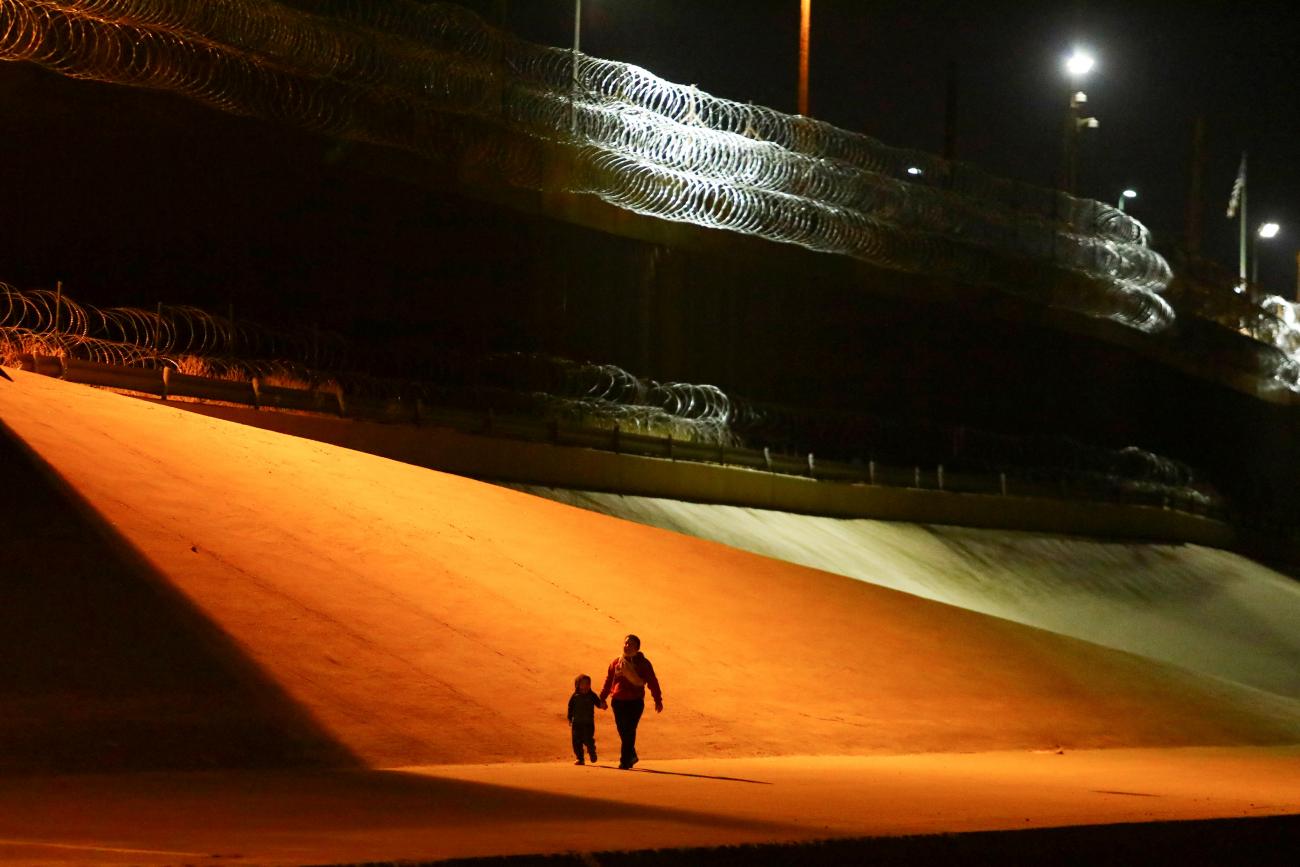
(577, 26)
(1077, 67)
(1125, 196)
(805, 27)
(577, 49)
(1267, 231)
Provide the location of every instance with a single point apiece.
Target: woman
(625, 685)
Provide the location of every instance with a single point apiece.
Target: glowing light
(1080, 63)
(913, 170)
(1129, 194)
(1269, 230)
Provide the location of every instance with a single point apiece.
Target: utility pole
(805, 26)
(577, 48)
(1077, 67)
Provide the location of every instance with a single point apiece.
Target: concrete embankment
(387, 614)
(1201, 608)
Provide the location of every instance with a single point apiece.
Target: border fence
(167, 384)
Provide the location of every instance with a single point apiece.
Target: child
(582, 717)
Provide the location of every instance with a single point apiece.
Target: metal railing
(166, 383)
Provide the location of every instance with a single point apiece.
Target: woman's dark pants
(626, 715)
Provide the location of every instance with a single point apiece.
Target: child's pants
(584, 735)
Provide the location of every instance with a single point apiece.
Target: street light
(1077, 67)
(1125, 196)
(1080, 63)
(1267, 231)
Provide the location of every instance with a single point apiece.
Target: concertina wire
(435, 80)
(190, 340)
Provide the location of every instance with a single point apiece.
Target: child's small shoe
(592, 753)
(579, 762)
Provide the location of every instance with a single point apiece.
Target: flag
(1238, 188)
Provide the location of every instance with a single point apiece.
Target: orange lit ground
(183, 594)
(287, 817)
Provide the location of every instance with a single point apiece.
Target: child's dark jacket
(582, 707)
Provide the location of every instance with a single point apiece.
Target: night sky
(881, 67)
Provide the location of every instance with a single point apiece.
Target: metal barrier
(165, 384)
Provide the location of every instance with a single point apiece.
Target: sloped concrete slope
(1204, 609)
(413, 617)
(105, 666)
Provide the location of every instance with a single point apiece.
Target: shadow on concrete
(1208, 843)
(315, 816)
(680, 774)
(106, 666)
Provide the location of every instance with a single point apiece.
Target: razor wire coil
(434, 79)
(190, 340)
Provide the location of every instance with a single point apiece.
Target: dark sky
(880, 67)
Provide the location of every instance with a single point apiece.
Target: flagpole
(1241, 244)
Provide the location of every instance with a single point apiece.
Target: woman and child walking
(625, 686)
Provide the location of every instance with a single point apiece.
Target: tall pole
(805, 25)
(1072, 143)
(577, 48)
(1077, 67)
(1069, 161)
(58, 308)
(1241, 243)
(577, 35)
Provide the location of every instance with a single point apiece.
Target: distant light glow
(1269, 230)
(1129, 194)
(1080, 63)
(913, 170)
